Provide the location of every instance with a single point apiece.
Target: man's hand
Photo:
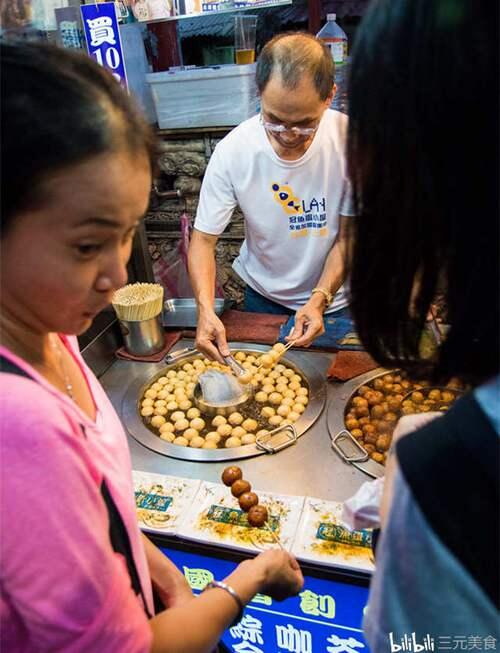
(211, 335)
(308, 322)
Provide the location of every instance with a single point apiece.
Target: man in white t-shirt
(286, 170)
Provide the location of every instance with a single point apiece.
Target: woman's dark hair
(59, 108)
(292, 55)
(423, 156)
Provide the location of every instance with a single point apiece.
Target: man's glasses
(275, 128)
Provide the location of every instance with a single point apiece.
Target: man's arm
(309, 319)
(202, 271)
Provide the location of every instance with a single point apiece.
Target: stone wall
(182, 161)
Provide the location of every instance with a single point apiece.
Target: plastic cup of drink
(244, 38)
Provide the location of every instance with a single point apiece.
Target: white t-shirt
(291, 208)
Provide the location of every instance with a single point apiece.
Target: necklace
(57, 348)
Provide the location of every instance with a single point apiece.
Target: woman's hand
(281, 574)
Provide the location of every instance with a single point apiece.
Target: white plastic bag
(219, 388)
(363, 509)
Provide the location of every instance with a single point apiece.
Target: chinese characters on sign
(103, 37)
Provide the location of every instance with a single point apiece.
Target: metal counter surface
(310, 467)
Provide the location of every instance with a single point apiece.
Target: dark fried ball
(369, 428)
(375, 398)
(383, 442)
(406, 385)
(378, 384)
(231, 474)
(247, 500)
(398, 378)
(363, 390)
(371, 438)
(397, 388)
(357, 433)
(351, 423)
(240, 486)
(417, 397)
(377, 457)
(257, 515)
(370, 448)
(393, 403)
(363, 421)
(361, 411)
(388, 388)
(434, 395)
(390, 417)
(447, 397)
(408, 410)
(377, 411)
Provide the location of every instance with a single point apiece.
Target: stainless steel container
(144, 337)
(184, 313)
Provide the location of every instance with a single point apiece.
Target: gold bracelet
(328, 295)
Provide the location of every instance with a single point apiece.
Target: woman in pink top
(76, 574)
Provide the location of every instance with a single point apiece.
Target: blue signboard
(324, 618)
(103, 37)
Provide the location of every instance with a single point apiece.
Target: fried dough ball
(275, 420)
(172, 405)
(156, 386)
(224, 430)
(288, 401)
(209, 444)
(302, 399)
(261, 397)
(197, 423)
(275, 355)
(289, 394)
(190, 433)
(275, 398)
(362, 421)
(357, 433)
(361, 411)
(171, 374)
(274, 375)
(235, 419)
(288, 373)
(302, 392)
(162, 380)
(213, 435)
(177, 415)
(267, 412)
(218, 420)
(192, 413)
(384, 442)
(147, 402)
(283, 410)
(182, 442)
(417, 397)
(150, 394)
(281, 388)
(279, 347)
(185, 404)
(268, 389)
(247, 500)
(257, 515)
(159, 403)
(238, 432)
(258, 377)
(161, 410)
(245, 378)
(168, 437)
(267, 361)
(283, 380)
(377, 457)
(240, 356)
(447, 396)
(197, 442)
(295, 386)
(232, 442)
(293, 416)
(181, 425)
(298, 408)
(163, 394)
(261, 433)
(248, 438)
(250, 425)
(390, 417)
(147, 411)
(351, 423)
(157, 421)
(168, 427)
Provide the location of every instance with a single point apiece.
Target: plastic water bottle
(334, 37)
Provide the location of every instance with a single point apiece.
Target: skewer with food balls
(257, 514)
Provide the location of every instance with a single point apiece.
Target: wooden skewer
(274, 536)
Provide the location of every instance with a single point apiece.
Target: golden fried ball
(147, 402)
(224, 430)
(267, 361)
(261, 433)
(161, 410)
(275, 420)
(197, 423)
(268, 389)
(185, 404)
(181, 425)
(147, 411)
(151, 394)
(215, 437)
(168, 437)
(245, 378)
(190, 433)
(279, 347)
(274, 375)
(357, 433)
(168, 427)
(290, 394)
(172, 405)
(197, 442)
(267, 411)
(295, 385)
(302, 399)
(275, 398)
(209, 444)
(162, 380)
(218, 420)
(275, 355)
(248, 438)
(250, 425)
(162, 394)
(283, 410)
(181, 441)
(447, 397)
(171, 374)
(261, 397)
(282, 379)
(159, 403)
(157, 421)
(298, 408)
(232, 442)
(293, 416)
(281, 388)
(177, 415)
(156, 386)
(192, 413)
(288, 401)
(258, 377)
(240, 356)
(296, 377)
(302, 391)
(288, 373)
(238, 432)
(235, 419)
